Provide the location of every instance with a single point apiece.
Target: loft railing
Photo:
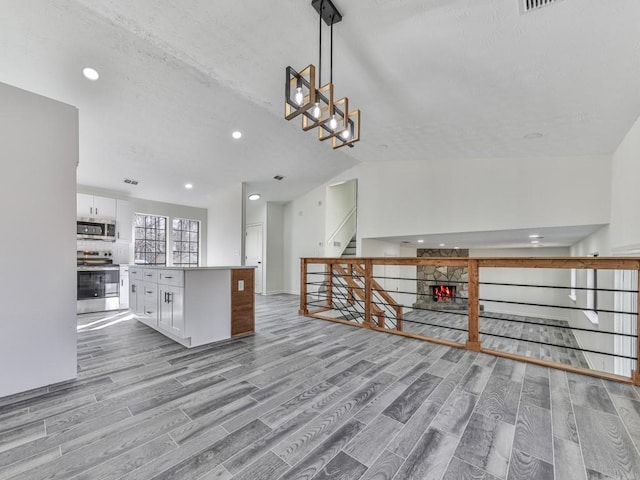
(546, 311)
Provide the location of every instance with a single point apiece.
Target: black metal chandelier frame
(332, 118)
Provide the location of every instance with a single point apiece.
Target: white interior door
(253, 252)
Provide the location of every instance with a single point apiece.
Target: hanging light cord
(320, 45)
(331, 54)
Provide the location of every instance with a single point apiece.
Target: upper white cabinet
(94, 206)
(124, 221)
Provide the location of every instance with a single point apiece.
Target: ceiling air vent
(130, 181)
(529, 5)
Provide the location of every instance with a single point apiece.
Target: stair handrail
(341, 226)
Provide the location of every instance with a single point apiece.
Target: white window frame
(625, 323)
(592, 294)
(574, 281)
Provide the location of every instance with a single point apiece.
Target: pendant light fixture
(316, 105)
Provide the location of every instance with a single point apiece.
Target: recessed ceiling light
(237, 134)
(530, 136)
(535, 235)
(535, 241)
(254, 196)
(442, 244)
(188, 186)
(420, 241)
(90, 73)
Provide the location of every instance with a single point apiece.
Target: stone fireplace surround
(428, 276)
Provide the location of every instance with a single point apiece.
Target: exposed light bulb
(315, 111)
(333, 123)
(298, 96)
(345, 134)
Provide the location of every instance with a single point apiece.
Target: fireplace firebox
(443, 293)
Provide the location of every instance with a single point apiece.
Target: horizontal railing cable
(559, 287)
(556, 345)
(564, 307)
(541, 324)
(460, 282)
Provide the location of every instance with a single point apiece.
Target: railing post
(350, 299)
(473, 343)
(303, 287)
(368, 292)
(635, 375)
(329, 302)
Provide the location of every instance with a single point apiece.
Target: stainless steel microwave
(96, 229)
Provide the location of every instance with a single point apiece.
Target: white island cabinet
(193, 306)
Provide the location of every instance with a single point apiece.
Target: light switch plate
(241, 285)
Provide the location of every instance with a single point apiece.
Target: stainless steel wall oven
(98, 282)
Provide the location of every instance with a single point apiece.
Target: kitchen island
(193, 306)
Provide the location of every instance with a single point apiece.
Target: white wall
(625, 226)
(621, 237)
(39, 154)
(341, 199)
(406, 198)
(402, 291)
(256, 212)
(225, 229)
(600, 243)
(525, 276)
(274, 265)
(304, 220)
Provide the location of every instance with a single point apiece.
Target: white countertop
(162, 267)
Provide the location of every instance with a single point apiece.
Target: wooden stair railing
(359, 291)
(385, 296)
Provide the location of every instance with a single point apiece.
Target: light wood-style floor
(309, 399)
(545, 339)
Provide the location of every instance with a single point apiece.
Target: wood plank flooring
(309, 399)
(541, 338)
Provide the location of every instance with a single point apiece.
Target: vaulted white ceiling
(435, 79)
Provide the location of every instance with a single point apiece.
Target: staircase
(350, 249)
(345, 296)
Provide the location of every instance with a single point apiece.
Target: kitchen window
(186, 242)
(150, 240)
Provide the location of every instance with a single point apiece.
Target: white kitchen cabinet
(136, 299)
(124, 286)
(171, 311)
(136, 291)
(150, 295)
(94, 206)
(124, 221)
